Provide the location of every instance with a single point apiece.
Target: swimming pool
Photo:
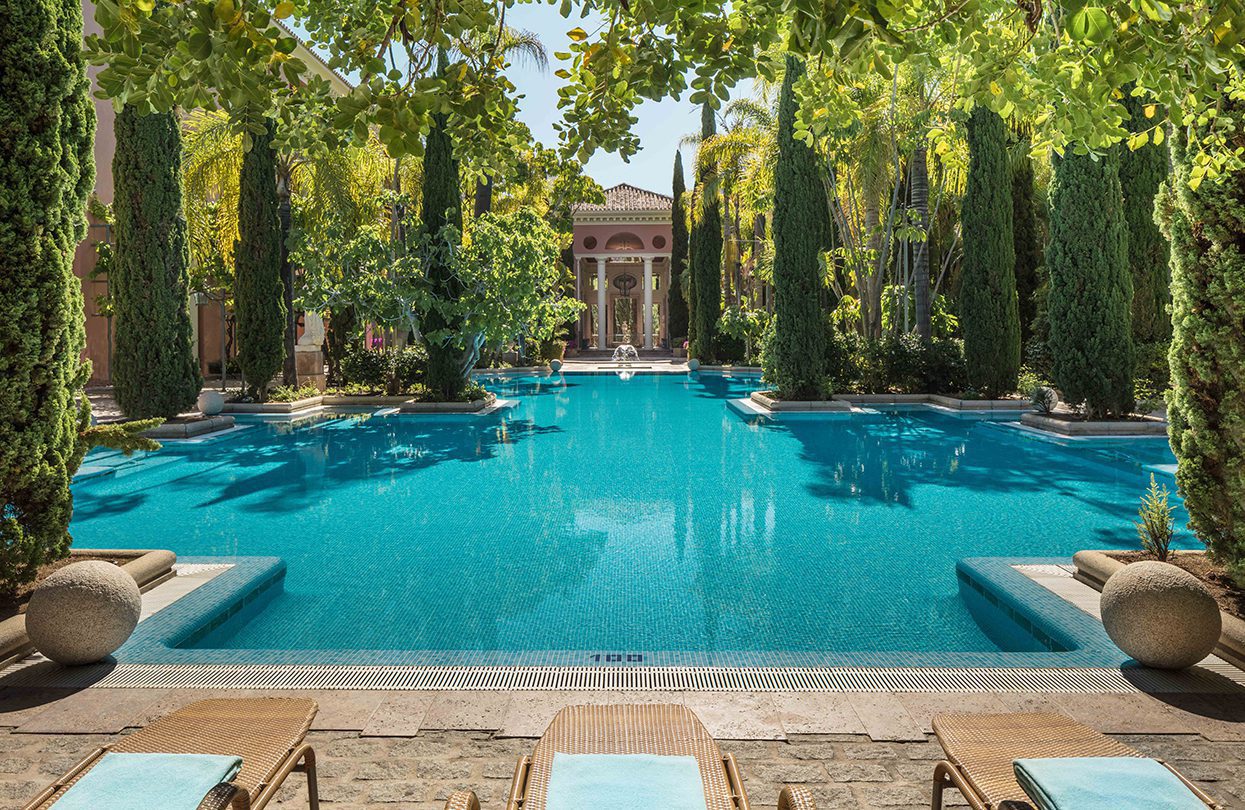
(638, 521)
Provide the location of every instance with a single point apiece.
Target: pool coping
(151, 658)
(1082, 642)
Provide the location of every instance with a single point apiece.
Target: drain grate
(638, 679)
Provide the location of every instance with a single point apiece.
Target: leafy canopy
(1059, 64)
(508, 265)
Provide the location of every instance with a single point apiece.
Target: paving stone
(923, 706)
(529, 713)
(468, 711)
(817, 714)
(346, 711)
(786, 773)
(401, 714)
(1220, 718)
(19, 705)
(1123, 714)
(859, 772)
(737, 715)
(852, 772)
(94, 711)
(892, 795)
(885, 718)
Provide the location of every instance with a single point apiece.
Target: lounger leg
(940, 783)
(313, 788)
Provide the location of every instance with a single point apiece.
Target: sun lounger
(267, 733)
(662, 730)
(982, 749)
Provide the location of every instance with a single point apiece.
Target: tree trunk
(289, 374)
(870, 290)
(484, 196)
(920, 259)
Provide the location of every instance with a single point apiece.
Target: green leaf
(200, 45)
(283, 9)
(1091, 24)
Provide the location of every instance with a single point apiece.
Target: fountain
(626, 353)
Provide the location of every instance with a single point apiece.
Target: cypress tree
(797, 351)
(46, 171)
(1141, 173)
(988, 308)
(1205, 407)
(259, 295)
(1090, 288)
(154, 368)
(442, 206)
(1025, 241)
(677, 307)
(706, 258)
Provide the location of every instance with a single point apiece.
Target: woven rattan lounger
(267, 733)
(982, 747)
(631, 729)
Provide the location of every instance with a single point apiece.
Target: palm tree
(504, 45)
(336, 184)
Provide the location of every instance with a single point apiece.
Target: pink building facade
(622, 269)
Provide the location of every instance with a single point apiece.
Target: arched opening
(624, 241)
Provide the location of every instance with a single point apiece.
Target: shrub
(1044, 398)
(386, 370)
(292, 393)
(1147, 397)
(155, 369)
(1141, 172)
(259, 295)
(706, 253)
(1090, 286)
(46, 170)
(1150, 363)
(677, 314)
(1203, 221)
(800, 220)
(902, 364)
(542, 352)
(989, 314)
(1156, 526)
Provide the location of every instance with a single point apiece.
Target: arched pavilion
(622, 268)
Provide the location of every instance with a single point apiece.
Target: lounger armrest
(462, 800)
(220, 797)
(796, 797)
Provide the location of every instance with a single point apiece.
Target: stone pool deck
(410, 749)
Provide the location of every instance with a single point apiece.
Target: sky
(660, 127)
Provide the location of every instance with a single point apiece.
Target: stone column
(602, 315)
(308, 352)
(648, 302)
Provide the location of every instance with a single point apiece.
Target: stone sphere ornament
(693, 364)
(555, 365)
(211, 403)
(83, 612)
(1160, 615)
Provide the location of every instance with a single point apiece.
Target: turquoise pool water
(635, 519)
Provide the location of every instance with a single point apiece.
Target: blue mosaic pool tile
(1072, 637)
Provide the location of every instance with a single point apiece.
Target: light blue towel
(1103, 783)
(149, 782)
(625, 782)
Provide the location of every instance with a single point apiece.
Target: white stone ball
(1161, 615)
(555, 364)
(83, 612)
(211, 403)
(693, 364)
